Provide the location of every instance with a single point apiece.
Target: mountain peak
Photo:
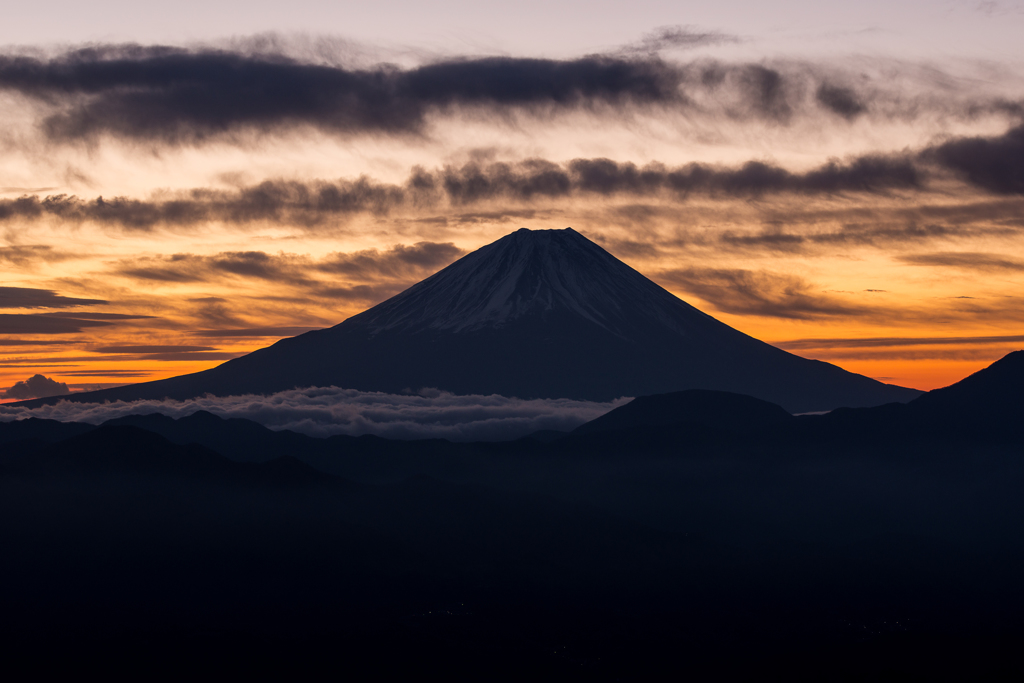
(544, 275)
(544, 232)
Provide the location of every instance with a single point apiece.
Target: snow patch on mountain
(541, 273)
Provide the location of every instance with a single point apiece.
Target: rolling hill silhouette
(699, 407)
(536, 314)
(695, 522)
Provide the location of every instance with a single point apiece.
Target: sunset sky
(183, 184)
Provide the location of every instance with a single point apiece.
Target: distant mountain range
(985, 408)
(536, 314)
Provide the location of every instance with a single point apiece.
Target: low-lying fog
(327, 411)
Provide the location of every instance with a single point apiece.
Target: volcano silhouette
(536, 314)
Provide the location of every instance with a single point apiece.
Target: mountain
(536, 314)
(995, 391)
(695, 407)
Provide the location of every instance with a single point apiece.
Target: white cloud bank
(327, 411)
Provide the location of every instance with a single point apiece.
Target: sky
(186, 183)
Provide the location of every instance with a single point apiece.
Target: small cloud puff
(36, 387)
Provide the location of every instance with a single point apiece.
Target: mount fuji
(536, 314)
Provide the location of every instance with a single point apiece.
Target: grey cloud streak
(885, 342)
(19, 323)
(676, 38)
(26, 254)
(965, 261)
(25, 297)
(328, 411)
(991, 164)
(321, 203)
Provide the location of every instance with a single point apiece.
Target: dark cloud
(276, 201)
(19, 323)
(538, 178)
(993, 163)
(258, 265)
(174, 95)
(180, 95)
(323, 203)
(964, 260)
(840, 100)
(24, 297)
(745, 292)
(36, 386)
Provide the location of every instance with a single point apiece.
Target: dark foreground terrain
(699, 533)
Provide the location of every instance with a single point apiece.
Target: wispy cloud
(745, 292)
(27, 254)
(18, 323)
(366, 276)
(666, 38)
(964, 260)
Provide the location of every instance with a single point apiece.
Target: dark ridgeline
(543, 313)
(689, 533)
(697, 407)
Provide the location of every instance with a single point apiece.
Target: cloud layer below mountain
(328, 411)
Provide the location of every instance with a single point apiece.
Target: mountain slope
(708, 409)
(544, 313)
